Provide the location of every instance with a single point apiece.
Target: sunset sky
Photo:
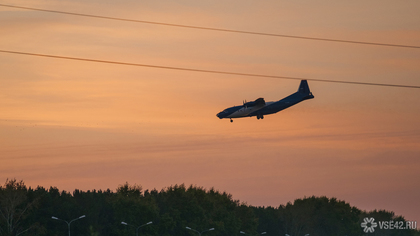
(85, 125)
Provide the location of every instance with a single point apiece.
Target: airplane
(259, 107)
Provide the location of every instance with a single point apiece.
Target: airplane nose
(220, 115)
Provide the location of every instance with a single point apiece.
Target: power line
(204, 71)
(215, 29)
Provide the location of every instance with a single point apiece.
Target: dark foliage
(26, 211)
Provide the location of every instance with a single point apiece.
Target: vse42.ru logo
(369, 225)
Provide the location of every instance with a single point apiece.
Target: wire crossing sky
(204, 71)
(89, 100)
(216, 29)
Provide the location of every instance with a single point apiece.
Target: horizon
(142, 193)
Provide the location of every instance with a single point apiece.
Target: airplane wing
(258, 102)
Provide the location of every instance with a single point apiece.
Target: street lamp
(199, 233)
(68, 223)
(137, 230)
(242, 232)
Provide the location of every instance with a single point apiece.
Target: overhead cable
(216, 29)
(204, 71)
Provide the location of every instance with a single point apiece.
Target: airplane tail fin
(304, 88)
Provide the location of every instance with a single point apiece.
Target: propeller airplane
(259, 107)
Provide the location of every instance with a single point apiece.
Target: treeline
(27, 211)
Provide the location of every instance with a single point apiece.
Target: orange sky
(85, 125)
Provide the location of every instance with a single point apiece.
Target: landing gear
(260, 117)
(231, 120)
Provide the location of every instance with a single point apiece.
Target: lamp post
(242, 232)
(199, 233)
(137, 230)
(68, 223)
